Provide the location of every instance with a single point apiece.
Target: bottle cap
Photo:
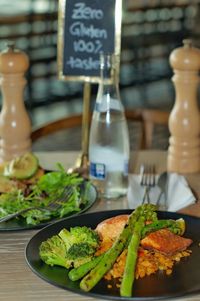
(13, 60)
(186, 57)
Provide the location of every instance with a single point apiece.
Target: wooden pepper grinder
(184, 120)
(15, 125)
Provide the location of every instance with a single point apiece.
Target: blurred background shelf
(150, 31)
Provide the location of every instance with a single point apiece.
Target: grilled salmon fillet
(165, 242)
(110, 228)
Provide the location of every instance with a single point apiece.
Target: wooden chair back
(141, 125)
(152, 118)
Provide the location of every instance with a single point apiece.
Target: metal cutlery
(147, 180)
(162, 183)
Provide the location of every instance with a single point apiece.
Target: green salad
(49, 187)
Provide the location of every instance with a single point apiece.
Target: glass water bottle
(109, 138)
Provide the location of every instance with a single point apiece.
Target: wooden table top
(18, 282)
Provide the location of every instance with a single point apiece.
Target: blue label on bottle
(98, 170)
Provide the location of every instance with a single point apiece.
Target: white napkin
(179, 195)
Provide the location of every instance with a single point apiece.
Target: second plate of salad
(20, 190)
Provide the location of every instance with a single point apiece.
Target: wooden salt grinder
(15, 125)
(184, 120)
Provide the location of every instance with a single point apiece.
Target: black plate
(20, 224)
(184, 281)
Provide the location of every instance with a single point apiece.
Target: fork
(54, 205)
(147, 180)
(162, 183)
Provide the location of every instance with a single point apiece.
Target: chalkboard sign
(86, 28)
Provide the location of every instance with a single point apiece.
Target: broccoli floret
(80, 250)
(81, 244)
(53, 251)
(80, 253)
(70, 248)
(78, 235)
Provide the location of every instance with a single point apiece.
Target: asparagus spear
(81, 271)
(105, 264)
(176, 226)
(140, 230)
(131, 259)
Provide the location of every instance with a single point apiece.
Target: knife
(163, 185)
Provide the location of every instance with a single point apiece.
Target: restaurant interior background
(150, 31)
